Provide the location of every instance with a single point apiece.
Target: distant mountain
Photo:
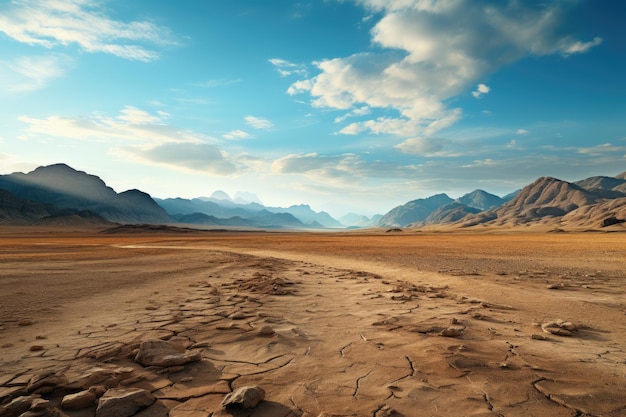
(220, 195)
(544, 200)
(414, 211)
(450, 213)
(263, 219)
(19, 211)
(176, 206)
(305, 214)
(480, 200)
(67, 188)
(353, 220)
(226, 208)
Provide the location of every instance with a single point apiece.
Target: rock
(559, 328)
(266, 331)
(100, 376)
(164, 354)
(46, 382)
(452, 331)
(39, 404)
(244, 397)
(82, 399)
(20, 405)
(123, 402)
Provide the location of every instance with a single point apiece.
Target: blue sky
(347, 105)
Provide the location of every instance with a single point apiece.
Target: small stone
(266, 331)
(25, 322)
(36, 348)
(453, 331)
(244, 397)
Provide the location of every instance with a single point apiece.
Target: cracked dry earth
(321, 336)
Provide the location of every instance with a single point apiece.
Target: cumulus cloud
(53, 23)
(481, 90)
(431, 51)
(29, 73)
(259, 122)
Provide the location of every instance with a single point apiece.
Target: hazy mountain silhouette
(19, 211)
(66, 188)
(225, 208)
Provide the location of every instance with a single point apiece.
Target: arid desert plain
(326, 324)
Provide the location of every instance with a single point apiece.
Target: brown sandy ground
(342, 324)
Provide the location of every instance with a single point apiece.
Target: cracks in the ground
(342, 350)
(358, 383)
(555, 399)
(411, 365)
(248, 362)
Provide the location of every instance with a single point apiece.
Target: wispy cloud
(430, 52)
(131, 124)
(144, 137)
(217, 83)
(54, 23)
(286, 68)
(259, 122)
(192, 157)
(236, 134)
(30, 73)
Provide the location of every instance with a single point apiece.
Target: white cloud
(421, 146)
(29, 73)
(132, 124)
(521, 132)
(53, 23)
(481, 90)
(236, 134)
(577, 47)
(360, 111)
(432, 51)
(286, 68)
(602, 149)
(194, 157)
(217, 83)
(259, 122)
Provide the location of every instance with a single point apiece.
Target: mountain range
(60, 195)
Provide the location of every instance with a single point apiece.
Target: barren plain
(327, 324)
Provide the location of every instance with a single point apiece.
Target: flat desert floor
(327, 324)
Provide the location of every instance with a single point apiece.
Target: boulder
(244, 397)
(123, 402)
(164, 354)
(82, 399)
